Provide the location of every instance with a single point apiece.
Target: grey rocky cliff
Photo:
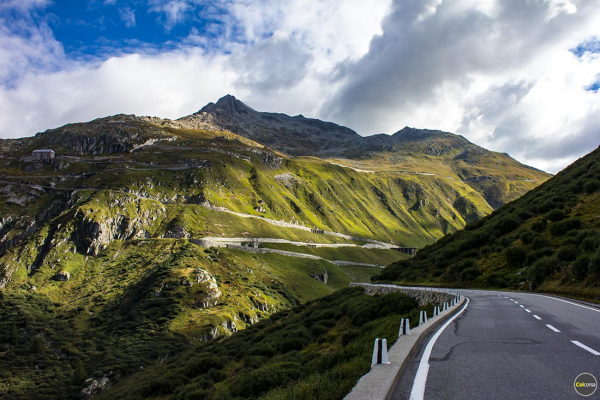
(117, 134)
(92, 234)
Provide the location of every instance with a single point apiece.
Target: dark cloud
(430, 48)
(418, 52)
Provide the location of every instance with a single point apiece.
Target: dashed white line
(553, 328)
(511, 300)
(583, 346)
(527, 310)
(418, 389)
(536, 317)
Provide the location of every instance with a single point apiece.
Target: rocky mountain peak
(227, 105)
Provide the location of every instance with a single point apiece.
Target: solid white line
(553, 328)
(536, 317)
(418, 389)
(527, 310)
(521, 305)
(583, 346)
(565, 301)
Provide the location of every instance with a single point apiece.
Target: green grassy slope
(120, 223)
(316, 351)
(548, 240)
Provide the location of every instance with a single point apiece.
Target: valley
(145, 236)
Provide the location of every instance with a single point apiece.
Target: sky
(515, 76)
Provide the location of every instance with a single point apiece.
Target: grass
(316, 351)
(129, 303)
(546, 241)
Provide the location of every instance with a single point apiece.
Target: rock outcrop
(94, 231)
(62, 276)
(117, 134)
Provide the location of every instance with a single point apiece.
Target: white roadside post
(404, 327)
(380, 353)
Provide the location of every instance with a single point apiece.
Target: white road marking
(583, 346)
(418, 389)
(553, 328)
(521, 305)
(536, 317)
(527, 310)
(565, 301)
(511, 300)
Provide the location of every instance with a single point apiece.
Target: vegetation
(142, 300)
(548, 240)
(316, 351)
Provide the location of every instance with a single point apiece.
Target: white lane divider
(583, 346)
(536, 317)
(527, 310)
(521, 305)
(418, 389)
(553, 328)
(511, 300)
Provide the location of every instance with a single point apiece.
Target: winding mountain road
(507, 345)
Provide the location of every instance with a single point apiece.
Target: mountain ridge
(548, 240)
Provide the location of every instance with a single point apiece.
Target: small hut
(44, 154)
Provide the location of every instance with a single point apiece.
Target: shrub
(508, 224)
(268, 377)
(581, 266)
(515, 255)
(526, 237)
(546, 206)
(539, 226)
(497, 279)
(566, 253)
(524, 215)
(556, 215)
(469, 274)
(594, 266)
(539, 242)
(562, 227)
(349, 336)
(589, 244)
(542, 269)
(591, 186)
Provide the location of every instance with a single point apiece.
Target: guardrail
(379, 383)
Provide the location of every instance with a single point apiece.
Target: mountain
(291, 135)
(145, 236)
(497, 176)
(548, 241)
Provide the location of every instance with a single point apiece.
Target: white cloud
(496, 71)
(127, 16)
(23, 5)
(174, 10)
(169, 85)
(500, 73)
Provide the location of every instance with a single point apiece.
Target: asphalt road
(511, 346)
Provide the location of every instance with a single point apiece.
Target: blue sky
(512, 76)
(97, 28)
